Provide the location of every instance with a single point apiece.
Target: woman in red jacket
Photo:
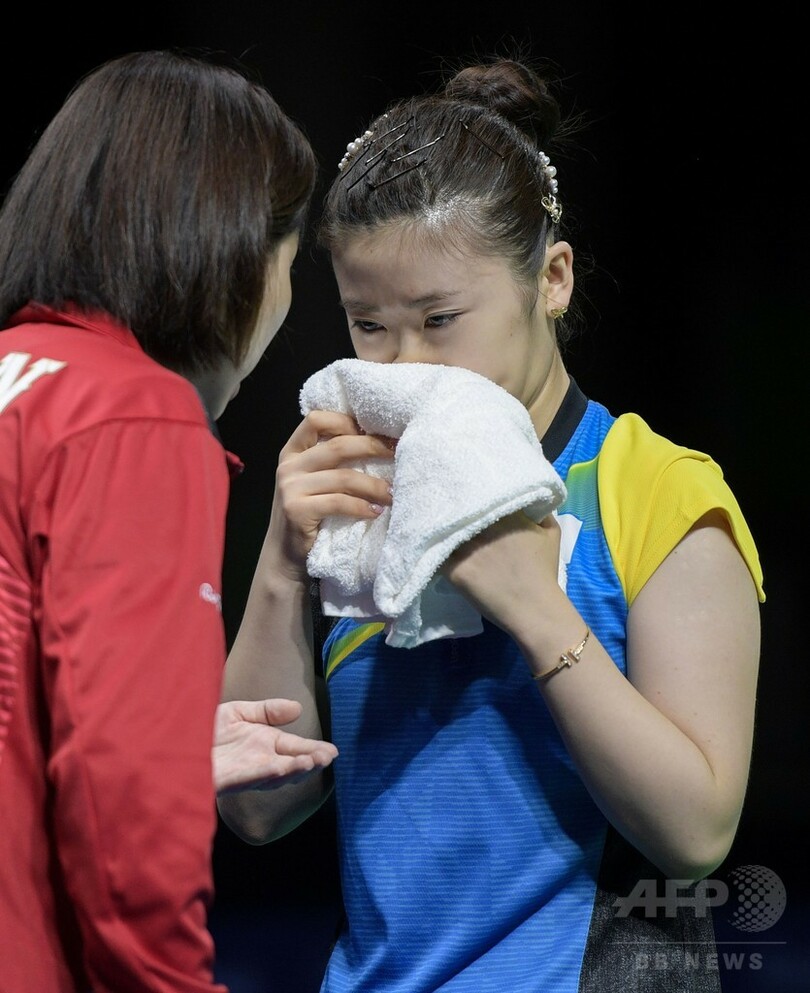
(145, 252)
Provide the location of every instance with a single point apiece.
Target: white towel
(467, 455)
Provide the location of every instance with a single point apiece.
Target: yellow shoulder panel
(651, 492)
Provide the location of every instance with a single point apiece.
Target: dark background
(686, 190)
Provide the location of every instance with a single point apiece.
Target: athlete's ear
(557, 277)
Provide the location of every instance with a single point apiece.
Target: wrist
(281, 564)
(568, 658)
(551, 635)
(279, 581)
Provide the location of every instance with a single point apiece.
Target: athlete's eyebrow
(351, 303)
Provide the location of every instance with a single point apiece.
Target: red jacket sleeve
(129, 537)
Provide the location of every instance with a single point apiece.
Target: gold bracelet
(566, 659)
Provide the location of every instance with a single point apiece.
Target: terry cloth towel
(467, 455)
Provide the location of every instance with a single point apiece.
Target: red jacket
(113, 494)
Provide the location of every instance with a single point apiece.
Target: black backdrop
(688, 192)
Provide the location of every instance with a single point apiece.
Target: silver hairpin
(549, 201)
(421, 148)
(388, 179)
(478, 137)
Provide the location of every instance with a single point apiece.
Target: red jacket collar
(93, 320)
(102, 323)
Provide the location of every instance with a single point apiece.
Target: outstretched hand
(251, 752)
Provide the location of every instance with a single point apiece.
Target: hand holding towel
(467, 455)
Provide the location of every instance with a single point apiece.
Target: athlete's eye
(367, 327)
(440, 320)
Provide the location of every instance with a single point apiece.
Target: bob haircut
(158, 194)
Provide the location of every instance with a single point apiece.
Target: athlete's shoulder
(631, 441)
(652, 491)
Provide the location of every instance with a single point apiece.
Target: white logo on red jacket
(13, 381)
(210, 595)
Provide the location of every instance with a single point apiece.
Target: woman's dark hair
(468, 165)
(158, 194)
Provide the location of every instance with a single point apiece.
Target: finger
(342, 482)
(281, 771)
(272, 711)
(309, 497)
(319, 424)
(289, 744)
(390, 443)
(294, 776)
(281, 711)
(289, 770)
(290, 765)
(329, 453)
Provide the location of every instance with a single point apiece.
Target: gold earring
(557, 312)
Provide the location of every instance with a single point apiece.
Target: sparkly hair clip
(549, 201)
(354, 147)
(364, 141)
(369, 138)
(369, 141)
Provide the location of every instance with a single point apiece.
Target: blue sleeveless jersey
(473, 859)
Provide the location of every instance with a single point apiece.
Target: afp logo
(755, 896)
